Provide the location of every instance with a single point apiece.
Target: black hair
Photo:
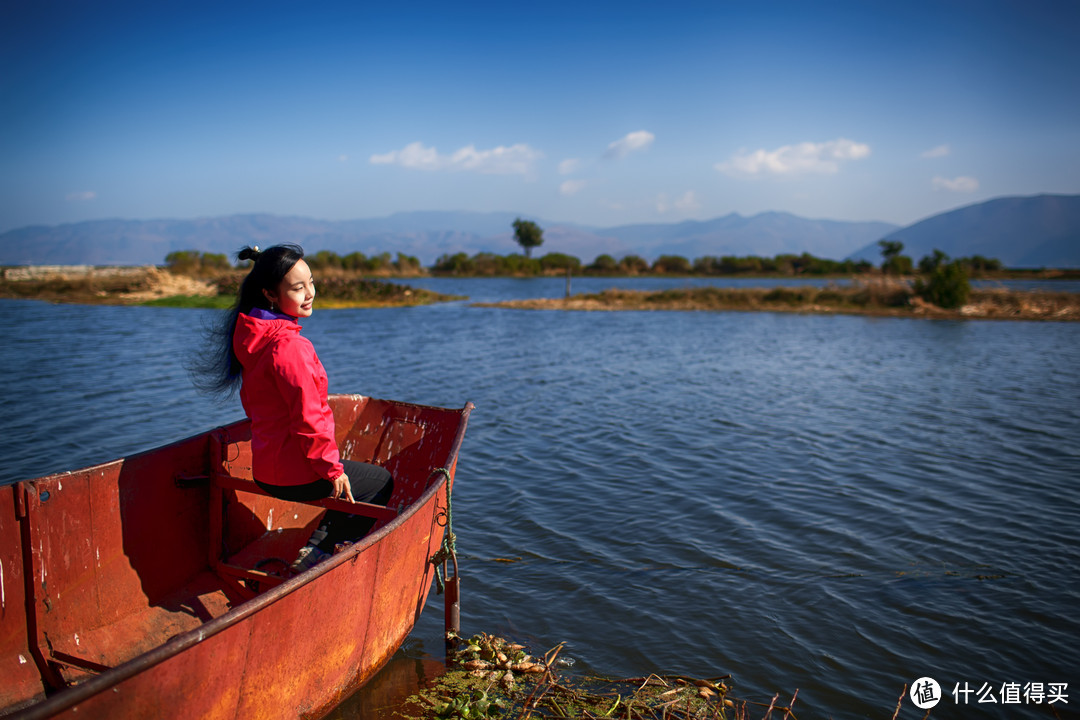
(216, 370)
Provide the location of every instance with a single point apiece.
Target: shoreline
(883, 300)
(44, 272)
(155, 286)
(867, 296)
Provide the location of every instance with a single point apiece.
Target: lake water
(833, 504)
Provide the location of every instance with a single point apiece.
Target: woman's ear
(271, 297)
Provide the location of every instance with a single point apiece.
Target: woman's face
(296, 292)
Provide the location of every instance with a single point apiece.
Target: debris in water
(493, 679)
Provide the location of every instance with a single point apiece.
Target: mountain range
(1020, 231)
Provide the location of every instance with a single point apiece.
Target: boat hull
(126, 612)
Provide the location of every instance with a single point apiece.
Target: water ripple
(835, 504)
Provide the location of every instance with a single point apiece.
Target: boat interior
(100, 565)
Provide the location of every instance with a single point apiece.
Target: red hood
(252, 335)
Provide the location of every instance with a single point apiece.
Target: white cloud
(632, 142)
(963, 183)
(343, 158)
(568, 166)
(501, 160)
(936, 152)
(81, 196)
(821, 158)
(571, 187)
(687, 201)
(414, 155)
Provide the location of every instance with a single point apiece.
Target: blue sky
(596, 113)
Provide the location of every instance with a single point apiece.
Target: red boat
(157, 585)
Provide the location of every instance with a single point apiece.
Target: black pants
(370, 484)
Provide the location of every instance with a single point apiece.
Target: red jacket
(284, 393)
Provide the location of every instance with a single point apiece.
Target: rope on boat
(448, 551)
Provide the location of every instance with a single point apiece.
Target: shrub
(323, 259)
(195, 263)
(559, 261)
(790, 296)
(456, 264)
(633, 264)
(831, 296)
(881, 293)
(675, 264)
(486, 263)
(518, 264)
(604, 264)
(183, 261)
(947, 287)
(707, 265)
(407, 263)
(978, 265)
(354, 261)
(897, 265)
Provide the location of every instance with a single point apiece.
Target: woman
(283, 388)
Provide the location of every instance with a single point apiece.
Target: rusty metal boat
(157, 585)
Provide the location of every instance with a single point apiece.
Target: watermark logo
(925, 693)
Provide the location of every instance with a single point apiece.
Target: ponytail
(251, 253)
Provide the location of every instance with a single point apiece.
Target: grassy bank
(159, 287)
(883, 298)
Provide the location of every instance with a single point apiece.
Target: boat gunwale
(72, 696)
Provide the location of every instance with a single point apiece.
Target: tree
(528, 235)
(979, 264)
(894, 263)
(486, 263)
(634, 264)
(786, 263)
(890, 249)
(899, 265)
(707, 265)
(457, 264)
(560, 261)
(604, 264)
(407, 263)
(354, 261)
(377, 263)
(674, 264)
(930, 263)
(324, 259)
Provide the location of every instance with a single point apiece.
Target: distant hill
(767, 234)
(147, 242)
(429, 234)
(1022, 232)
(1039, 231)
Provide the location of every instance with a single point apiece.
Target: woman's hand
(342, 487)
